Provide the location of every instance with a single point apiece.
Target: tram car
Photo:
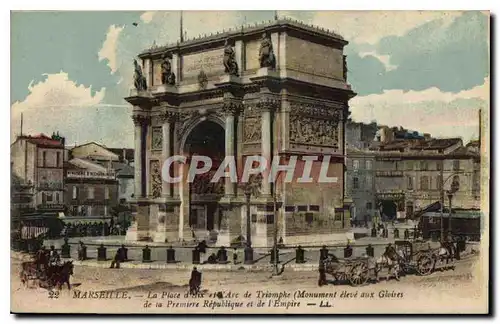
(465, 224)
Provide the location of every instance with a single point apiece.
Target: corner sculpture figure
(230, 64)
(139, 79)
(345, 69)
(167, 76)
(266, 53)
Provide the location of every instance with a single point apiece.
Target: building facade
(360, 183)
(276, 89)
(412, 173)
(91, 190)
(39, 160)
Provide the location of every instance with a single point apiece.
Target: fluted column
(267, 108)
(167, 122)
(139, 124)
(230, 110)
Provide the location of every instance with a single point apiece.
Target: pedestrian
(117, 259)
(322, 272)
(54, 258)
(235, 256)
(202, 247)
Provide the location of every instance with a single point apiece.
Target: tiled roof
(42, 139)
(419, 144)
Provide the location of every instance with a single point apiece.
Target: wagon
(423, 257)
(355, 271)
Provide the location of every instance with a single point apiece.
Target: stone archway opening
(207, 139)
(388, 210)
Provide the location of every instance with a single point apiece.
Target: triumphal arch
(274, 89)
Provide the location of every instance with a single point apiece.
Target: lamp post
(248, 248)
(455, 185)
(275, 236)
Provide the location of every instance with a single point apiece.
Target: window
(90, 192)
(289, 209)
(302, 208)
(44, 158)
(423, 165)
(409, 165)
(56, 197)
(410, 183)
(75, 192)
(338, 216)
(270, 218)
(368, 205)
(355, 164)
(106, 192)
(438, 183)
(424, 183)
(58, 159)
(314, 208)
(369, 182)
(309, 218)
(49, 197)
(254, 218)
(456, 165)
(369, 164)
(355, 183)
(409, 209)
(439, 165)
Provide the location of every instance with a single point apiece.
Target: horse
(58, 275)
(447, 252)
(391, 260)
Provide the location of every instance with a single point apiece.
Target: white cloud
(54, 102)
(443, 114)
(108, 50)
(384, 59)
(371, 26)
(147, 16)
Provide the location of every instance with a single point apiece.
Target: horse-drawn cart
(423, 257)
(356, 271)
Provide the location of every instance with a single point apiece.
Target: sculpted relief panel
(155, 179)
(314, 125)
(211, 62)
(314, 58)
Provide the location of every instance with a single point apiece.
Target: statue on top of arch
(139, 79)
(230, 64)
(266, 52)
(167, 76)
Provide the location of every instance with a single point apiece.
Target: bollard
(65, 249)
(124, 254)
(170, 255)
(407, 234)
(248, 255)
(396, 233)
(374, 232)
(101, 253)
(348, 251)
(370, 251)
(275, 253)
(196, 256)
(222, 255)
(146, 254)
(457, 251)
(82, 253)
(299, 255)
(323, 253)
(386, 233)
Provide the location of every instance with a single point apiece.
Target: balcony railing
(389, 173)
(51, 186)
(91, 175)
(51, 206)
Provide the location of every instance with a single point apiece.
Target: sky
(426, 71)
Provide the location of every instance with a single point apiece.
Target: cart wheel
(359, 274)
(425, 264)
